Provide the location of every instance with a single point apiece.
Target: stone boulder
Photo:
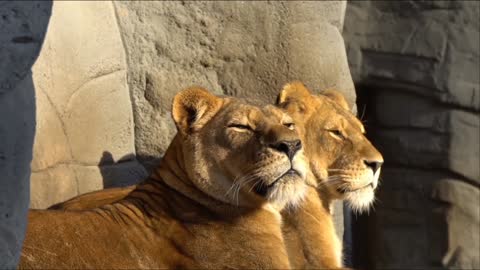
(83, 104)
(245, 49)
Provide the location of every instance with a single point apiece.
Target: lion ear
(337, 97)
(293, 97)
(193, 107)
(293, 91)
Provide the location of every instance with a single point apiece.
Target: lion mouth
(348, 190)
(262, 189)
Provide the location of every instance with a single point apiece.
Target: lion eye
(240, 126)
(336, 133)
(290, 126)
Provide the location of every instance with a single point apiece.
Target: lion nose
(287, 147)
(373, 164)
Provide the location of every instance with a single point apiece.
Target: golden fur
(94, 199)
(210, 204)
(344, 164)
(308, 229)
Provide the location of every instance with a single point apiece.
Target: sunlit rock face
(84, 110)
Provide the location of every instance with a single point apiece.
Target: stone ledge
(429, 150)
(389, 107)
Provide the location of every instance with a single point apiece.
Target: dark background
(416, 69)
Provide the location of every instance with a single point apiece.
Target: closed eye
(336, 134)
(240, 127)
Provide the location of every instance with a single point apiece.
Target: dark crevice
(440, 97)
(23, 39)
(447, 173)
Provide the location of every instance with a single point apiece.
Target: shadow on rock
(125, 172)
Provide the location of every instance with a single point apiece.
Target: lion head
(341, 158)
(237, 152)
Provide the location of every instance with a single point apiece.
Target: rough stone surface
(421, 47)
(417, 64)
(63, 181)
(22, 30)
(428, 134)
(83, 103)
(426, 220)
(246, 49)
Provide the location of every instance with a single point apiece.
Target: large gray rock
(83, 103)
(246, 49)
(426, 220)
(22, 30)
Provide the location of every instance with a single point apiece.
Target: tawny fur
(337, 150)
(183, 215)
(308, 229)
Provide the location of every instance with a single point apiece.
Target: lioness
(210, 204)
(345, 166)
(342, 160)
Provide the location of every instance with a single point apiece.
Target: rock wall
(246, 49)
(416, 66)
(22, 31)
(84, 112)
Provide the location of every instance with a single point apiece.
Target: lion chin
(361, 199)
(288, 190)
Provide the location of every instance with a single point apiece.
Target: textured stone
(100, 119)
(427, 134)
(52, 185)
(52, 145)
(22, 29)
(423, 48)
(431, 218)
(323, 66)
(396, 109)
(17, 126)
(234, 48)
(455, 151)
(83, 103)
(64, 181)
